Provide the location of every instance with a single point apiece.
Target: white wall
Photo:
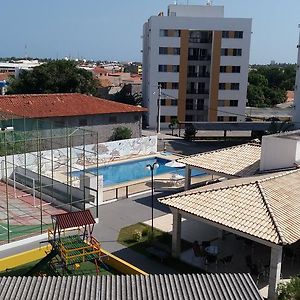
(279, 151)
(199, 11)
(296, 118)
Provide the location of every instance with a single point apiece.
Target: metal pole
(6, 189)
(158, 109)
(152, 199)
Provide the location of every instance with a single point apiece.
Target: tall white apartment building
(296, 118)
(200, 60)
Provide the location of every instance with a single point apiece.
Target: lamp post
(151, 168)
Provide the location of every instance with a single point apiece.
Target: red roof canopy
(74, 219)
(61, 105)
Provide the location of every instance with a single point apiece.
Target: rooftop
(266, 206)
(159, 287)
(61, 105)
(237, 161)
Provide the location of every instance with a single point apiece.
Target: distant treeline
(268, 84)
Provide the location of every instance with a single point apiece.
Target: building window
(199, 104)
(232, 119)
(177, 33)
(234, 86)
(163, 119)
(176, 51)
(175, 85)
(223, 69)
(220, 119)
(175, 68)
(82, 122)
(222, 86)
(163, 102)
(112, 119)
(162, 68)
(224, 52)
(188, 118)
(225, 34)
(238, 34)
(189, 104)
(237, 52)
(174, 102)
(233, 103)
(221, 103)
(163, 50)
(236, 69)
(137, 118)
(163, 32)
(163, 85)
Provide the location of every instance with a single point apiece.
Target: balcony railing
(200, 40)
(199, 75)
(202, 91)
(199, 58)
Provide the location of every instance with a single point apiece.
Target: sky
(112, 29)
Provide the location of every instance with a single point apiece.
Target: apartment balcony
(199, 40)
(199, 75)
(197, 92)
(199, 58)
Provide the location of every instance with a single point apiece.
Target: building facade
(296, 118)
(200, 60)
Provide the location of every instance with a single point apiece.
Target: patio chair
(226, 260)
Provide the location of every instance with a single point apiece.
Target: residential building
(71, 110)
(200, 60)
(297, 91)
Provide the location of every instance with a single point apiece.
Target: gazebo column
(188, 173)
(275, 271)
(176, 233)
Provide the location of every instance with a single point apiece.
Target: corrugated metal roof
(266, 206)
(74, 219)
(238, 161)
(61, 105)
(137, 287)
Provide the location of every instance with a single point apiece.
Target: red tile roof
(4, 76)
(61, 105)
(74, 219)
(99, 70)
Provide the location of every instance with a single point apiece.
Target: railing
(199, 58)
(198, 75)
(124, 191)
(203, 92)
(199, 40)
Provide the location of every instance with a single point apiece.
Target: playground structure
(72, 241)
(37, 162)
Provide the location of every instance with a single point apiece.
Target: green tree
(289, 290)
(173, 124)
(121, 133)
(58, 76)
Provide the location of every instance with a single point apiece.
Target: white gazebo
(264, 209)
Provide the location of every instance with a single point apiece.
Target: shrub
(289, 290)
(121, 133)
(137, 236)
(190, 132)
(145, 231)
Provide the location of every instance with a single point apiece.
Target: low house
(71, 110)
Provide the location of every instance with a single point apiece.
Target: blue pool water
(127, 171)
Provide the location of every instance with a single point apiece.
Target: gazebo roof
(74, 219)
(237, 161)
(266, 207)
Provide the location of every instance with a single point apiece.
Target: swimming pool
(134, 170)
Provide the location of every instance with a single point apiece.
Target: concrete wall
(279, 151)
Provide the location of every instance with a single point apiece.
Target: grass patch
(140, 242)
(85, 268)
(20, 231)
